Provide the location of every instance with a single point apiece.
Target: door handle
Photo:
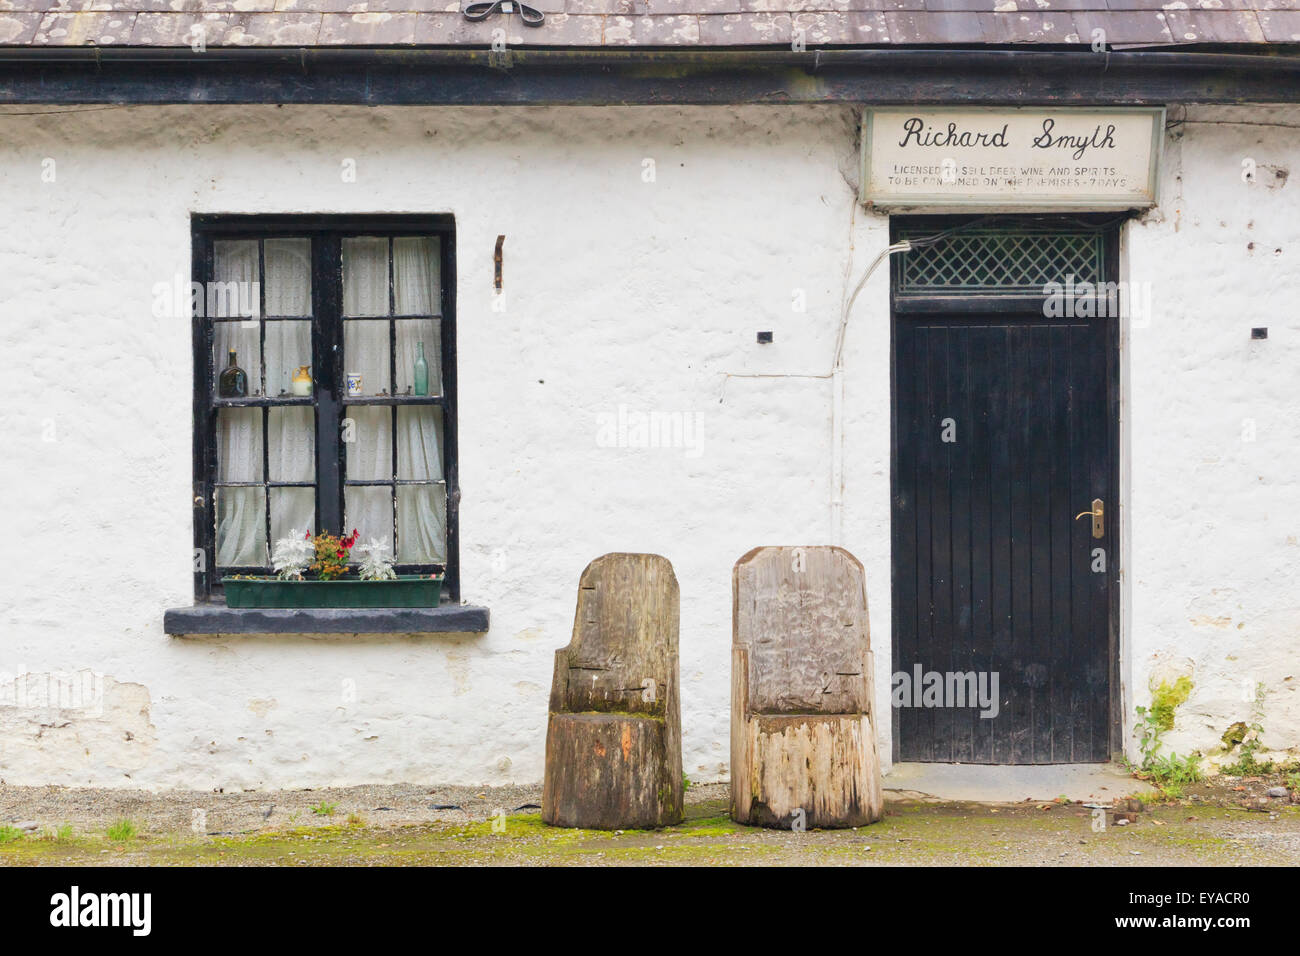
(1098, 514)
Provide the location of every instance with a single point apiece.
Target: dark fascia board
(470, 77)
(219, 619)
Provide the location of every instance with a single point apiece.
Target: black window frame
(328, 400)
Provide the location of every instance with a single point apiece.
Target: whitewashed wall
(1214, 516)
(619, 292)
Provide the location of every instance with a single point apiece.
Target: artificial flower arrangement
(326, 557)
(317, 571)
(374, 566)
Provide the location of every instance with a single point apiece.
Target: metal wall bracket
(482, 9)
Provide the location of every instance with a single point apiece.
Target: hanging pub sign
(1014, 158)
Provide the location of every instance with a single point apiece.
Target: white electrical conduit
(837, 398)
(837, 389)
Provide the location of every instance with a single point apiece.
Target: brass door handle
(1098, 514)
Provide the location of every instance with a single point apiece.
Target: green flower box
(406, 590)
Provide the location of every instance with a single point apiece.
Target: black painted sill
(219, 619)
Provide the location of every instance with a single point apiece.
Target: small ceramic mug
(354, 384)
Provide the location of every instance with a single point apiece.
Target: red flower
(307, 536)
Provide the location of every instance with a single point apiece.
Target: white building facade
(612, 396)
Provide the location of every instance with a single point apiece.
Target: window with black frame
(325, 390)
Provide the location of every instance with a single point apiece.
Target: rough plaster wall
(1214, 542)
(58, 727)
(619, 292)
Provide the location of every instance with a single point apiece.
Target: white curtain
(369, 509)
(365, 293)
(292, 458)
(417, 290)
(421, 509)
(365, 351)
(241, 512)
(365, 276)
(236, 261)
(288, 292)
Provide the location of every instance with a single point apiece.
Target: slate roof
(672, 24)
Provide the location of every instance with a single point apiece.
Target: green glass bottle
(233, 383)
(421, 371)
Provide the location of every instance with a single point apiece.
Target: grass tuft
(121, 831)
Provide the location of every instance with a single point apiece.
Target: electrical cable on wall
(837, 365)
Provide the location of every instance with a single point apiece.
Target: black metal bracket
(482, 9)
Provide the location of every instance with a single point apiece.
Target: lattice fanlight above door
(997, 261)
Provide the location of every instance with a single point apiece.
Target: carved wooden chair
(613, 741)
(803, 741)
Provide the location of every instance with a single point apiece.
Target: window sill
(219, 619)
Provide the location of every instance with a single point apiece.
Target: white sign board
(1017, 158)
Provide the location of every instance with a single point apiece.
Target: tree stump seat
(803, 742)
(613, 739)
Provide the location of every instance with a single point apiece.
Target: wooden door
(1003, 434)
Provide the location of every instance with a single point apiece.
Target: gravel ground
(417, 825)
(226, 814)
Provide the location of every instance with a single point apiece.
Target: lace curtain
(421, 509)
(416, 291)
(241, 512)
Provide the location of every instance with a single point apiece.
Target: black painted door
(1002, 435)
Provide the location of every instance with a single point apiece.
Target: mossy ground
(912, 833)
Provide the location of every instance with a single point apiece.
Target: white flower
(375, 567)
(292, 555)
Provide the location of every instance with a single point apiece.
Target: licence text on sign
(1019, 158)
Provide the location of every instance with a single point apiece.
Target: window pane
(365, 276)
(288, 276)
(369, 443)
(241, 527)
(366, 353)
(244, 340)
(411, 333)
(288, 348)
(292, 449)
(421, 524)
(370, 510)
(419, 442)
(234, 290)
(239, 444)
(417, 283)
(259, 301)
(292, 509)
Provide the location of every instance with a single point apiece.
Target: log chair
(613, 741)
(803, 741)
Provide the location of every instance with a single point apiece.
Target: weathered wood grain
(803, 743)
(613, 741)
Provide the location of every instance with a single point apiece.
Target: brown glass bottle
(233, 383)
